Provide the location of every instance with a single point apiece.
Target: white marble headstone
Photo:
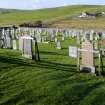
(8, 43)
(73, 51)
(27, 46)
(14, 44)
(58, 45)
(20, 43)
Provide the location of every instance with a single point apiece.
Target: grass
(97, 24)
(57, 17)
(53, 81)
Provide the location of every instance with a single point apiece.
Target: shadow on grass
(58, 66)
(42, 64)
(52, 53)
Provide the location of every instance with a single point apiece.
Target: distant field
(98, 24)
(57, 17)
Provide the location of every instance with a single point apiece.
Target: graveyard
(55, 79)
(53, 65)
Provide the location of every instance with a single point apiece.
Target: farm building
(90, 15)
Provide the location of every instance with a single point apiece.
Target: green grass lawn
(52, 81)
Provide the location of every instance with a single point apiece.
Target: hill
(53, 81)
(56, 17)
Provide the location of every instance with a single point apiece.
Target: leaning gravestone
(27, 47)
(87, 58)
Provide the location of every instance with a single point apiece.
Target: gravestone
(20, 43)
(91, 35)
(8, 43)
(56, 39)
(58, 46)
(102, 51)
(63, 38)
(87, 36)
(73, 52)
(1, 43)
(27, 47)
(87, 58)
(96, 38)
(1, 38)
(38, 37)
(15, 44)
(95, 46)
(82, 39)
(43, 39)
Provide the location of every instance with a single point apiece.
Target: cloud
(35, 4)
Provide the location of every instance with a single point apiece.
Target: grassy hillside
(60, 17)
(53, 81)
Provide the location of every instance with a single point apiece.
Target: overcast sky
(36, 4)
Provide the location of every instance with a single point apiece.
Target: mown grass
(52, 81)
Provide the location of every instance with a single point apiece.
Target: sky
(37, 4)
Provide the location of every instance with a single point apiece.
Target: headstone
(63, 38)
(43, 39)
(14, 44)
(87, 36)
(1, 43)
(82, 39)
(87, 58)
(96, 38)
(38, 37)
(102, 51)
(91, 35)
(58, 45)
(73, 52)
(56, 39)
(95, 46)
(8, 43)
(27, 47)
(20, 43)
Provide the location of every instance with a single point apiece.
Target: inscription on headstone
(87, 58)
